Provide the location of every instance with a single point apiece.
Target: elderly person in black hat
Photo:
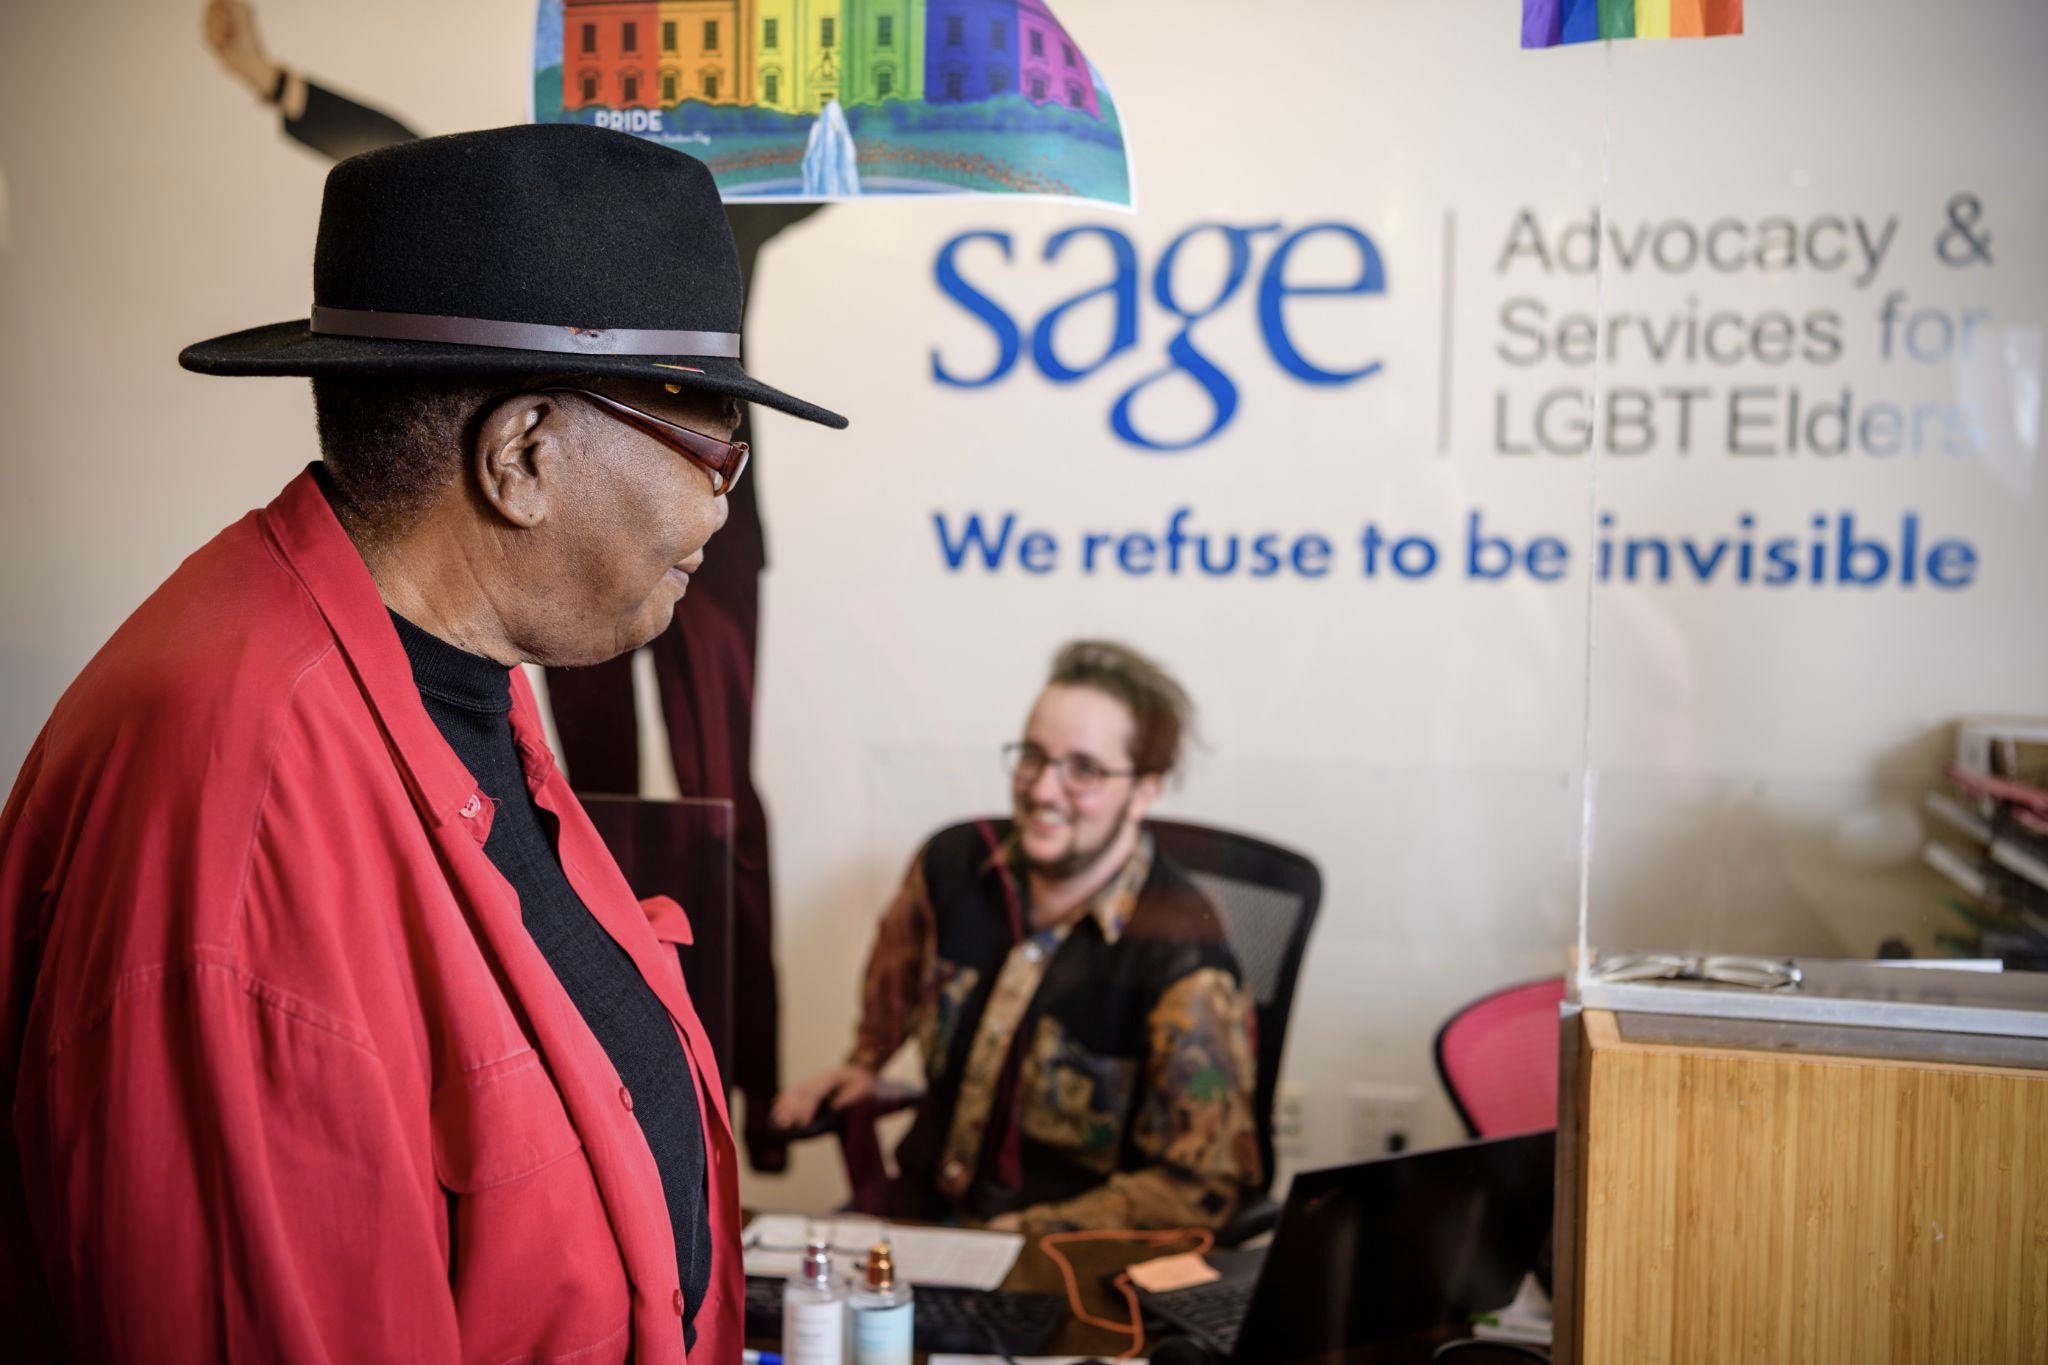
(330, 1028)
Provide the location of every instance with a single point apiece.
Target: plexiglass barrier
(1817, 728)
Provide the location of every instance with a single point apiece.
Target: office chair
(1268, 897)
(1497, 1058)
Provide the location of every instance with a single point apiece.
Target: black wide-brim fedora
(541, 249)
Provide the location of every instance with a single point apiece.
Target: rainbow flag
(1550, 23)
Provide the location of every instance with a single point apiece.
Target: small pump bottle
(814, 1311)
(881, 1312)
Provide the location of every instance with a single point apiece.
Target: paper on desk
(956, 1257)
(1527, 1319)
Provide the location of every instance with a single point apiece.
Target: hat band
(520, 336)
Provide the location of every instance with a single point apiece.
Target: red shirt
(289, 1080)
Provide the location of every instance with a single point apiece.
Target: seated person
(1086, 1033)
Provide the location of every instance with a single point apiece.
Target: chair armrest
(888, 1097)
(823, 1122)
(860, 1146)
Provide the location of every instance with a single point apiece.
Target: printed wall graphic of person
(703, 663)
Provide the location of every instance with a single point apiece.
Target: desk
(1036, 1273)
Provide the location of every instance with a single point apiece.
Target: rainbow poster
(838, 99)
(1549, 23)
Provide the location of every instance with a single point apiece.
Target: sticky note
(1167, 1273)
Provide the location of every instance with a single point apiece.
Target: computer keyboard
(1214, 1311)
(959, 1321)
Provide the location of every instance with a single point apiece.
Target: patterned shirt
(1095, 1074)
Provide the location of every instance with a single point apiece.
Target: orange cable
(1051, 1242)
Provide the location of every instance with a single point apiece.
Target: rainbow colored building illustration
(799, 55)
(931, 96)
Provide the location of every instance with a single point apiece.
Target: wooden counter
(1730, 1195)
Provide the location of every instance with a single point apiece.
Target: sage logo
(1271, 251)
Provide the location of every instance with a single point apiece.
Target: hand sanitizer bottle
(881, 1312)
(814, 1311)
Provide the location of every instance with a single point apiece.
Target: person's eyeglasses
(723, 460)
(1078, 773)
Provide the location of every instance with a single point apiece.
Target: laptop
(1377, 1252)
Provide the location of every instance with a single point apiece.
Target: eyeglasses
(1078, 773)
(1757, 973)
(723, 460)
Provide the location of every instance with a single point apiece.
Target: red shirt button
(626, 1098)
(679, 1303)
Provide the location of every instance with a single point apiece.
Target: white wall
(1418, 739)
(144, 221)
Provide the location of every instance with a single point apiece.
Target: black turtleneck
(470, 700)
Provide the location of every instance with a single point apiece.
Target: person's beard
(1079, 859)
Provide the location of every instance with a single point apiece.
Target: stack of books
(1988, 836)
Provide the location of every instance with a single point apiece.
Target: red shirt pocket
(535, 1267)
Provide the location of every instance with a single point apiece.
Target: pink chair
(1498, 1059)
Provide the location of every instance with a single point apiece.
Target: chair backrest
(1498, 1059)
(1268, 897)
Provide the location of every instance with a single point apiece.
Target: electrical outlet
(1383, 1119)
(1290, 1122)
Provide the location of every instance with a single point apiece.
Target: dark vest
(1100, 995)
